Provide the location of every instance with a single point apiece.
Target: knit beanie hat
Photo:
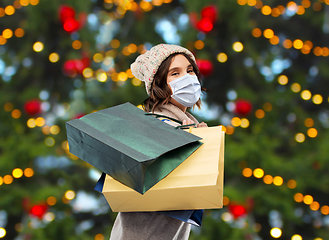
(146, 65)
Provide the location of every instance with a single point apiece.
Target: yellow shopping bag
(197, 183)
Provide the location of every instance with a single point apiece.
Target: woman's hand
(203, 124)
(187, 122)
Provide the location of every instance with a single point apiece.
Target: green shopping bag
(135, 149)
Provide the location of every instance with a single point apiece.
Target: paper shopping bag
(135, 149)
(195, 184)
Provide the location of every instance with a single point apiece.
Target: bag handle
(173, 119)
(159, 115)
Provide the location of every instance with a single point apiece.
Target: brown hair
(160, 92)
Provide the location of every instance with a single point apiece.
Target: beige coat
(153, 225)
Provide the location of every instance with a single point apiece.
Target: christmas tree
(264, 64)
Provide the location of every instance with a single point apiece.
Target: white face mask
(186, 90)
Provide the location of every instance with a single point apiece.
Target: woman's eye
(173, 74)
(190, 71)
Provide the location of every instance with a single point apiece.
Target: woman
(172, 82)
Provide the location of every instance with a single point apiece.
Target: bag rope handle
(173, 119)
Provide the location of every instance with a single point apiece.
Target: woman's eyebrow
(173, 69)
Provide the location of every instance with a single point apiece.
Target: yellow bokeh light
(287, 43)
(259, 113)
(325, 210)
(237, 46)
(267, 107)
(258, 173)
(1, 181)
(122, 76)
(115, 43)
(146, 6)
(325, 52)
(268, 33)
(76, 44)
(54, 129)
(38, 46)
(317, 51)
(296, 237)
(226, 201)
(292, 6)
(308, 199)
(141, 49)
(256, 32)
(9, 10)
(100, 236)
(126, 51)
(298, 44)
(309, 122)
(283, 79)
(7, 33)
(306, 95)
(46, 130)
(300, 10)
(7, 179)
(317, 99)
(8, 107)
(298, 197)
(268, 179)
(315, 206)
(247, 172)
(69, 194)
(16, 113)
(2, 232)
(199, 44)
(65, 145)
(2, 12)
(17, 173)
(292, 184)
(229, 130)
(312, 132)
(295, 87)
(132, 48)
(24, 2)
(276, 12)
(306, 3)
(49, 141)
(242, 2)
(300, 137)
(282, 9)
(277, 181)
(276, 232)
(31, 123)
(136, 82)
(222, 57)
(274, 40)
(266, 10)
(40, 121)
(129, 73)
(317, 6)
(244, 123)
(87, 72)
(236, 121)
(102, 77)
(51, 201)
(28, 172)
(98, 57)
(53, 57)
(34, 2)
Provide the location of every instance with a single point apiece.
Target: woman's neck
(177, 104)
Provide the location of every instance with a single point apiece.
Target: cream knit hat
(146, 65)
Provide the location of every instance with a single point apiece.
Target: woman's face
(179, 67)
